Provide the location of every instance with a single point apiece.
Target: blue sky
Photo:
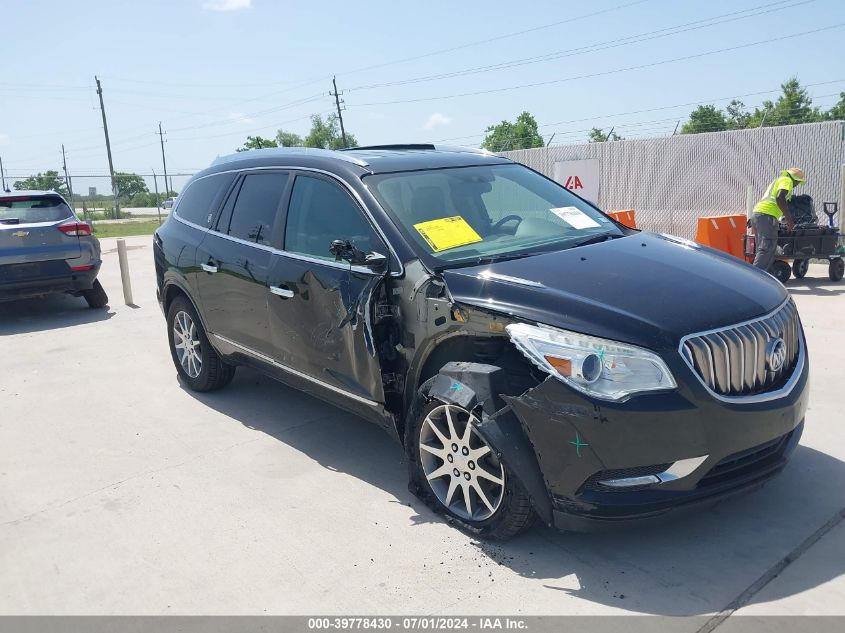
(213, 71)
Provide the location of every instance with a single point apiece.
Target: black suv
(532, 356)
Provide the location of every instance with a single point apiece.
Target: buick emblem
(775, 354)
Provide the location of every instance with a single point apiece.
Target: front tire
(461, 476)
(198, 364)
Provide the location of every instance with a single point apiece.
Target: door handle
(209, 268)
(287, 293)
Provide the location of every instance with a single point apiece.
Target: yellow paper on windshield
(447, 233)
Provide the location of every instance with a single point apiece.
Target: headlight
(595, 366)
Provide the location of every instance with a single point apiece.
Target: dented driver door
(320, 309)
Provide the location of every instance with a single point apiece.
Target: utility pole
(108, 149)
(158, 201)
(67, 178)
(163, 161)
(2, 175)
(675, 131)
(337, 102)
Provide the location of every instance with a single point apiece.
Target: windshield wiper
(595, 239)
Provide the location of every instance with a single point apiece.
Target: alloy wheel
(462, 471)
(186, 342)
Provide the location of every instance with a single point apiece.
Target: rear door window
(33, 209)
(199, 202)
(256, 208)
(321, 212)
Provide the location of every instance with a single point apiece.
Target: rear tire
(512, 511)
(96, 296)
(198, 364)
(781, 270)
(836, 269)
(800, 268)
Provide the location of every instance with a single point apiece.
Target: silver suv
(46, 249)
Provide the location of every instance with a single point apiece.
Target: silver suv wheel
(461, 469)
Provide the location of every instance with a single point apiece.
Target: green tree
(705, 118)
(597, 135)
(837, 112)
(325, 134)
(129, 185)
(256, 142)
(737, 117)
(48, 181)
(793, 106)
(288, 139)
(522, 134)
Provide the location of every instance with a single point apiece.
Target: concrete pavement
(122, 493)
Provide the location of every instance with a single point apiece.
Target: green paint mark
(578, 444)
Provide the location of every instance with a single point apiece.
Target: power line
(656, 109)
(497, 38)
(603, 73)
(600, 46)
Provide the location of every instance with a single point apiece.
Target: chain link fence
(673, 181)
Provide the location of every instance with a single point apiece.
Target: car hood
(646, 289)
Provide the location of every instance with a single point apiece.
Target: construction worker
(773, 206)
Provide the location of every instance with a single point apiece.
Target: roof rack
(287, 151)
(419, 146)
(396, 146)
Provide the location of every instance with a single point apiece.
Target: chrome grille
(731, 361)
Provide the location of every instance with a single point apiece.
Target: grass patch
(125, 230)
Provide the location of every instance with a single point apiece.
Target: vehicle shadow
(815, 286)
(690, 566)
(48, 313)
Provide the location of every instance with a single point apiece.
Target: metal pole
(2, 175)
(67, 179)
(549, 142)
(339, 115)
(124, 272)
(108, 148)
(842, 200)
(158, 202)
(163, 161)
(749, 201)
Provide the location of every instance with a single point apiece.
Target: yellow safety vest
(768, 203)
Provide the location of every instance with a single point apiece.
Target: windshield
(467, 214)
(33, 209)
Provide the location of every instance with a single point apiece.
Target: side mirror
(375, 261)
(347, 251)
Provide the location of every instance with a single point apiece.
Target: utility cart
(809, 240)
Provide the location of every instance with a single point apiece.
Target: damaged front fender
(481, 388)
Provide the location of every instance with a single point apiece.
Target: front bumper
(581, 442)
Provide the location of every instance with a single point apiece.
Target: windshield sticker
(575, 218)
(447, 233)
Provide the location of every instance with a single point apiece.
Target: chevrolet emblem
(20, 233)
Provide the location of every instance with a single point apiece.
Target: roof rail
(396, 146)
(281, 152)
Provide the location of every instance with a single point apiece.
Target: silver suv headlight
(595, 366)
